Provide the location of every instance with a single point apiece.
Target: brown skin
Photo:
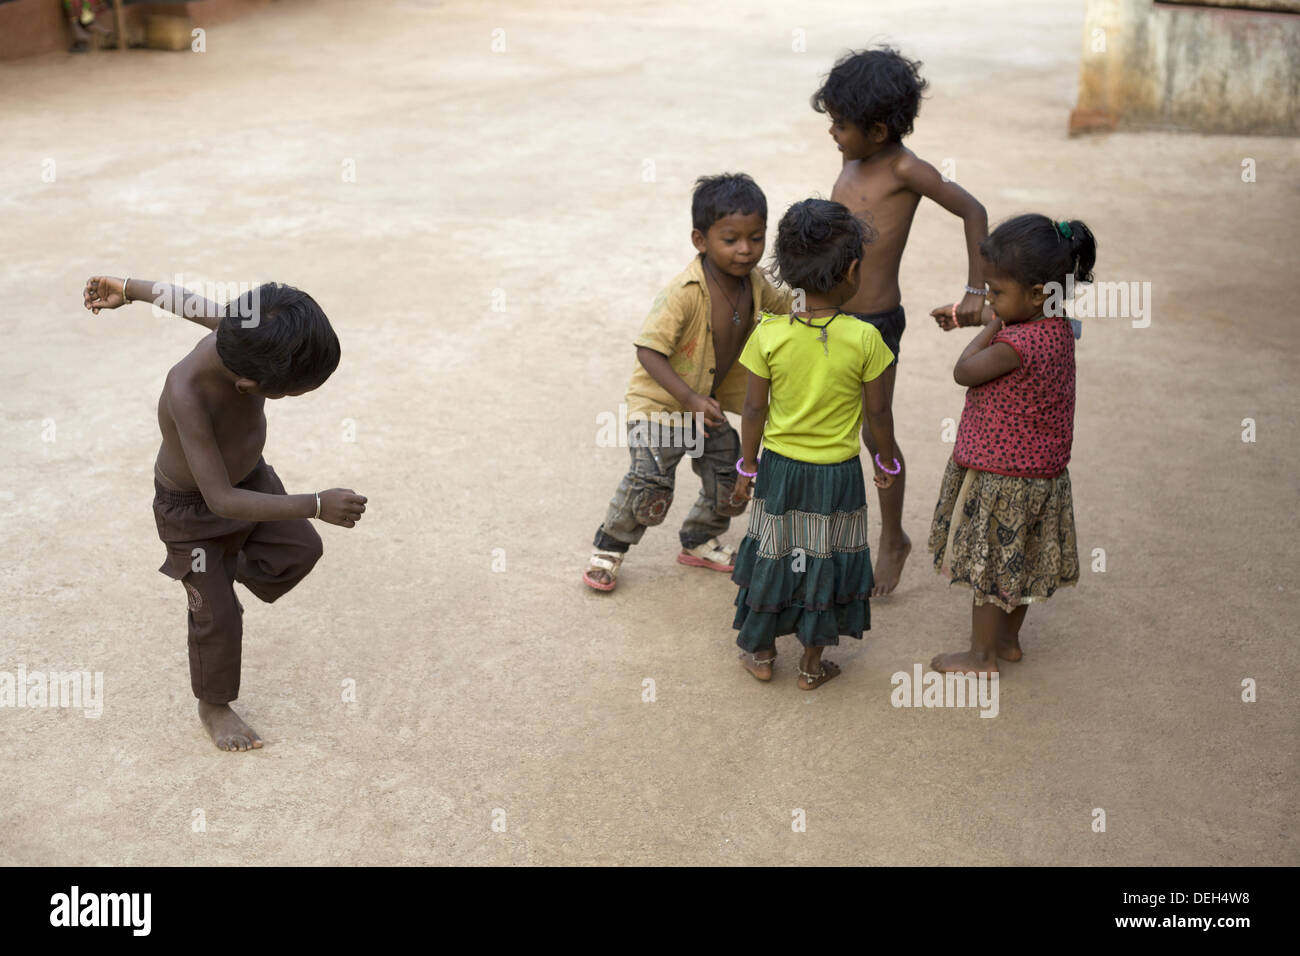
(213, 430)
(946, 317)
(883, 181)
(731, 249)
(759, 663)
(995, 633)
(878, 423)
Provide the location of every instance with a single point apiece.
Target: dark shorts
(890, 325)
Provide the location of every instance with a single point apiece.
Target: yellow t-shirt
(680, 326)
(814, 410)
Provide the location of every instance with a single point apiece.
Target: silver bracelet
(970, 290)
(125, 298)
(318, 504)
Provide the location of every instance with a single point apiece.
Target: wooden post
(119, 17)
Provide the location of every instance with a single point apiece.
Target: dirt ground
(486, 272)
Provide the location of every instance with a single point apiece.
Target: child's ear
(1038, 295)
(851, 277)
(697, 240)
(879, 132)
(245, 386)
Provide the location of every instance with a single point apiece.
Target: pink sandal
(607, 561)
(711, 554)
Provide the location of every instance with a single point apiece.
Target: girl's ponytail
(1083, 251)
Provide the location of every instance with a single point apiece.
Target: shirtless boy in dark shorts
(872, 98)
(220, 508)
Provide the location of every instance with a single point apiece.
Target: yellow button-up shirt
(680, 326)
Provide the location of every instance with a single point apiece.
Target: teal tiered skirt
(804, 566)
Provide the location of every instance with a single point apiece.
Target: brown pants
(208, 554)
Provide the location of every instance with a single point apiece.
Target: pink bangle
(881, 465)
(747, 474)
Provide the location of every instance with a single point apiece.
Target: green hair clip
(1063, 228)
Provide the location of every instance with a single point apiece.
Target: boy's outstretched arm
(922, 178)
(340, 506)
(107, 292)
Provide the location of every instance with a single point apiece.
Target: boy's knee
(650, 505)
(312, 550)
(214, 610)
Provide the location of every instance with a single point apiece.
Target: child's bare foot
(1010, 650)
(964, 662)
(760, 667)
(890, 558)
(814, 679)
(226, 728)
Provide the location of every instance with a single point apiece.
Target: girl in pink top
(1004, 524)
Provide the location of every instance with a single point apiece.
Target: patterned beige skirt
(1010, 540)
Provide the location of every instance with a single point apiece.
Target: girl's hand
(970, 309)
(884, 479)
(744, 489)
(103, 292)
(943, 316)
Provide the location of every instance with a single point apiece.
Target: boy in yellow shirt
(686, 377)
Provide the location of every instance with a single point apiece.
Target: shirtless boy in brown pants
(872, 98)
(220, 508)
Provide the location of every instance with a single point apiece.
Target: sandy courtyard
(486, 272)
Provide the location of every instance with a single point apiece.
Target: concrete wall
(29, 27)
(1202, 68)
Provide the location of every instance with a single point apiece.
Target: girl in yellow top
(804, 566)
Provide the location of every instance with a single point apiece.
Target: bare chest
(729, 319)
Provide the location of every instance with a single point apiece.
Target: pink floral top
(1022, 423)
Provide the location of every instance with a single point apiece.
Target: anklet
(881, 465)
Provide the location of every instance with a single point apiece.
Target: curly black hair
(717, 197)
(816, 242)
(1032, 249)
(280, 338)
(873, 86)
